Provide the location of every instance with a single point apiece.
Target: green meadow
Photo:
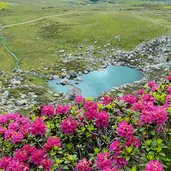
(75, 23)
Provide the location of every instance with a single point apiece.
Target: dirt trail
(17, 67)
(41, 18)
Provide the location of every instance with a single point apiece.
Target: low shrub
(126, 133)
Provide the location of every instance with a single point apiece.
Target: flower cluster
(52, 142)
(68, 126)
(38, 127)
(62, 109)
(102, 119)
(84, 165)
(125, 130)
(154, 165)
(103, 161)
(25, 155)
(17, 127)
(47, 110)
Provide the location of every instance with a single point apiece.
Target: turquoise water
(96, 82)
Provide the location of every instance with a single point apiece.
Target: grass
(167, 7)
(37, 44)
(40, 45)
(3, 5)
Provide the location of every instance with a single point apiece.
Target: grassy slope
(38, 43)
(3, 5)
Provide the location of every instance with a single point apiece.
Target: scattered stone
(64, 81)
(62, 51)
(21, 102)
(73, 74)
(73, 92)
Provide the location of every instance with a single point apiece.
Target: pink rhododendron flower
(51, 142)
(106, 100)
(2, 130)
(140, 91)
(84, 165)
(168, 77)
(134, 141)
(137, 106)
(169, 89)
(130, 99)
(154, 165)
(120, 162)
(68, 126)
(25, 127)
(156, 114)
(125, 130)
(79, 99)
(3, 119)
(62, 109)
(148, 98)
(4, 162)
(102, 119)
(16, 137)
(47, 110)
(46, 164)
(15, 165)
(150, 84)
(103, 161)
(21, 155)
(115, 146)
(13, 126)
(91, 110)
(160, 115)
(88, 103)
(38, 127)
(155, 87)
(28, 148)
(8, 134)
(91, 114)
(37, 156)
(115, 168)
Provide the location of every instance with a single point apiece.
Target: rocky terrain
(152, 57)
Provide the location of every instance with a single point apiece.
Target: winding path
(41, 18)
(17, 67)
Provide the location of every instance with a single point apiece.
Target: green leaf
(150, 155)
(129, 149)
(148, 142)
(159, 141)
(96, 150)
(134, 168)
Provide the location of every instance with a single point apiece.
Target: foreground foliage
(126, 133)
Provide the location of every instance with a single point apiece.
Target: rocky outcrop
(72, 92)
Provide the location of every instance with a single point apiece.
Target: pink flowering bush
(47, 110)
(154, 165)
(129, 133)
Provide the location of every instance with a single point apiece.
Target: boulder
(73, 92)
(64, 81)
(21, 102)
(73, 74)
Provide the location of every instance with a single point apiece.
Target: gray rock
(62, 51)
(80, 73)
(21, 102)
(55, 76)
(85, 72)
(64, 81)
(6, 94)
(73, 74)
(73, 92)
